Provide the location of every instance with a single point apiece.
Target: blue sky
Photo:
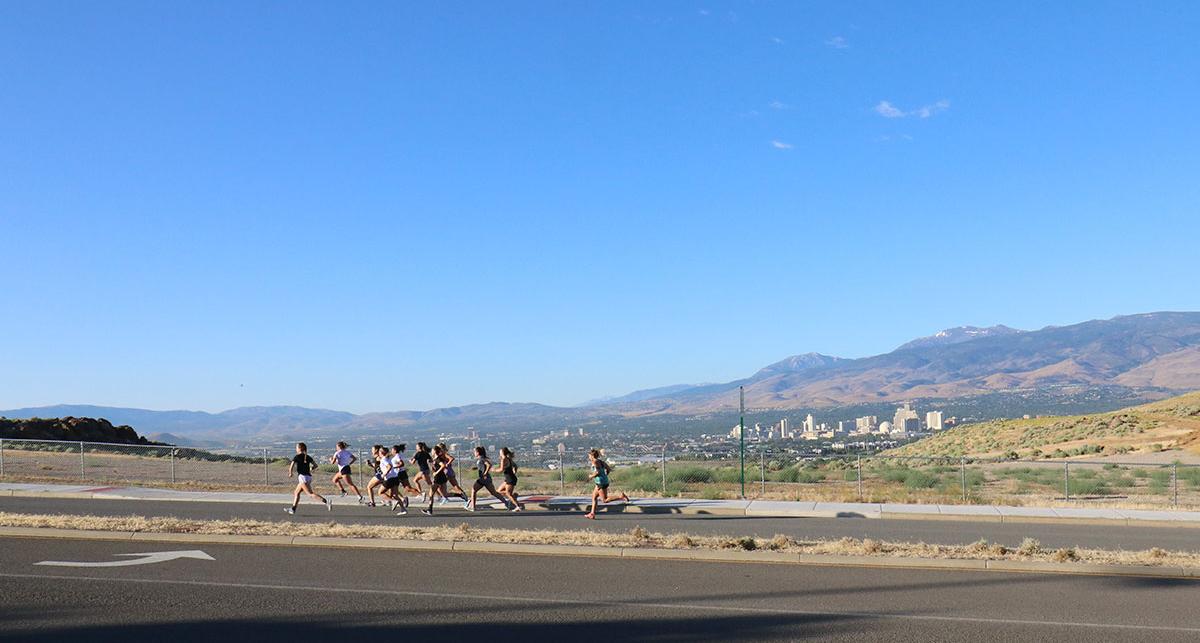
(376, 206)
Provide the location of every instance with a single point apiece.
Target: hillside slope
(1152, 352)
(1167, 424)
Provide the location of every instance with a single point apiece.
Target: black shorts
(510, 479)
(483, 481)
(440, 478)
(345, 471)
(391, 483)
(601, 485)
(403, 477)
(425, 472)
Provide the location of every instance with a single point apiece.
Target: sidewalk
(752, 508)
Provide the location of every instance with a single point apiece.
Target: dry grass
(1029, 550)
(1167, 424)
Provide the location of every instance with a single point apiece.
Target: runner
(600, 471)
(342, 459)
(378, 455)
(450, 477)
(422, 459)
(437, 486)
(303, 465)
(508, 467)
(483, 480)
(399, 477)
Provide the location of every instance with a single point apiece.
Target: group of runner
(435, 468)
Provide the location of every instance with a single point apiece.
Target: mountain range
(1133, 357)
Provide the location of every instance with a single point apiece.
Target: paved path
(294, 593)
(754, 508)
(1118, 536)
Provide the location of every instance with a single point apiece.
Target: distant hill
(1150, 355)
(1167, 424)
(958, 335)
(1099, 364)
(642, 395)
(69, 428)
(245, 422)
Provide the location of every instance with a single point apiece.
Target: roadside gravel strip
(638, 543)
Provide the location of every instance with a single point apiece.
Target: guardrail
(768, 474)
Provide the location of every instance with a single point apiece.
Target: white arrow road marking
(145, 559)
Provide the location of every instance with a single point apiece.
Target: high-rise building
(866, 423)
(783, 427)
(933, 421)
(846, 426)
(903, 415)
(810, 424)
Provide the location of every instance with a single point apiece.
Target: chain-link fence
(769, 473)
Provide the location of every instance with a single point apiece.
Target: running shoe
(402, 512)
(515, 509)
(290, 511)
(442, 500)
(469, 508)
(361, 501)
(343, 493)
(427, 512)
(328, 504)
(467, 505)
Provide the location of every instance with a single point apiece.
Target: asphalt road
(930, 531)
(294, 594)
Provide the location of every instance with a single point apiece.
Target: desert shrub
(690, 475)
(745, 543)
(1029, 547)
(920, 480)
(1087, 487)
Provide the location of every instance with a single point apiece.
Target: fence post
(859, 468)
(266, 468)
(562, 478)
(172, 466)
(762, 471)
(82, 474)
(1174, 484)
(963, 464)
(1, 456)
(1067, 480)
(664, 469)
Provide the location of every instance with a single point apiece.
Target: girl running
(600, 471)
(399, 477)
(421, 459)
(508, 467)
(377, 457)
(483, 480)
(302, 465)
(450, 477)
(342, 460)
(437, 485)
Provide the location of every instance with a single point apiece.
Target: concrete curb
(697, 555)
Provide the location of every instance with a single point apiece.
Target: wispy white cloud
(778, 104)
(925, 111)
(837, 42)
(780, 145)
(704, 12)
(777, 40)
(888, 110)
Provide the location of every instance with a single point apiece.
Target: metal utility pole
(742, 434)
